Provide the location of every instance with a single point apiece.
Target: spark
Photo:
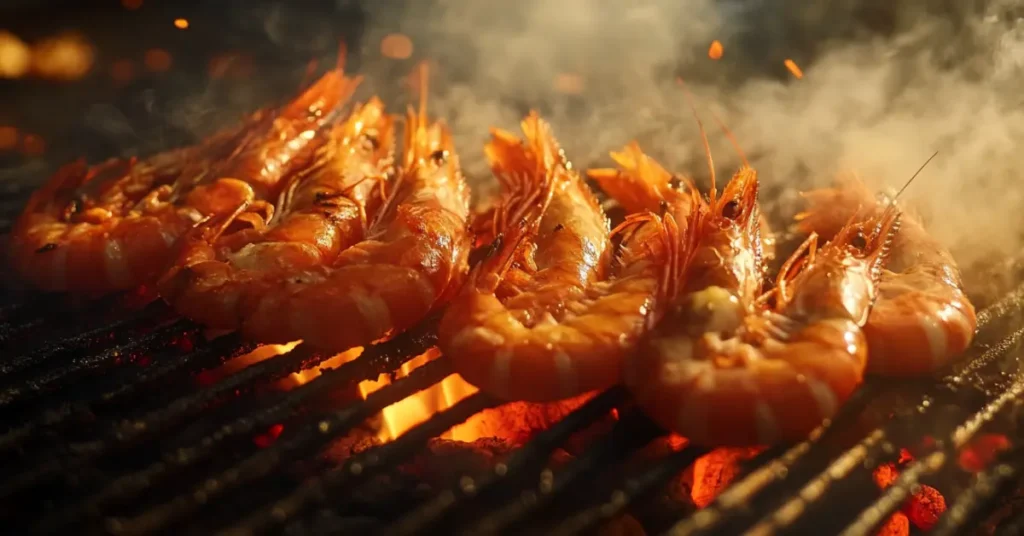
(716, 50)
(181, 24)
(794, 68)
(157, 60)
(15, 56)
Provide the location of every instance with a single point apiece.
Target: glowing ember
(714, 471)
(181, 24)
(980, 452)
(794, 68)
(158, 60)
(715, 51)
(897, 525)
(924, 508)
(396, 46)
(131, 4)
(569, 84)
(8, 138)
(67, 57)
(33, 145)
(15, 56)
(122, 71)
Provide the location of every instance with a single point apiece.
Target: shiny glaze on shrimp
(922, 319)
(218, 275)
(112, 226)
(546, 317)
(719, 374)
(412, 258)
(735, 242)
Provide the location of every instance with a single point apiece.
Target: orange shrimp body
(922, 319)
(218, 274)
(719, 374)
(112, 226)
(547, 317)
(412, 256)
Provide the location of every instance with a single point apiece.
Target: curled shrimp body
(112, 226)
(922, 319)
(719, 374)
(218, 274)
(546, 317)
(412, 256)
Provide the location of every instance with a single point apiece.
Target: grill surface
(103, 441)
(106, 430)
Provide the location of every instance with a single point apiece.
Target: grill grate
(106, 445)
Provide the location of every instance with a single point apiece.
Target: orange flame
(715, 51)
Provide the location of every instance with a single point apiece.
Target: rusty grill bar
(96, 442)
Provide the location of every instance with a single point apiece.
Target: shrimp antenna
(732, 138)
(916, 173)
(703, 136)
(424, 71)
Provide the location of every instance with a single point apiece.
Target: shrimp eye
(731, 210)
(859, 241)
(439, 156)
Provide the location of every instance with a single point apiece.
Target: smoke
(885, 85)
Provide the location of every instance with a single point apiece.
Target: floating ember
(32, 145)
(715, 51)
(15, 56)
(396, 46)
(794, 68)
(8, 138)
(67, 57)
(181, 24)
(569, 84)
(158, 60)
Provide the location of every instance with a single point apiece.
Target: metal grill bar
(376, 360)
(364, 465)
(48, 310)
(309, 439)
(731, 508)
(525, 460)
(633, 488)
(631, 432)
(49, 377)
(126, 433)
(977, 502)
(50, 417)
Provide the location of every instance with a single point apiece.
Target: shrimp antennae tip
(703, 136)
(916, 173)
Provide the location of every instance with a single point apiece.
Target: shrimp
(323, 212)
(112, 226)
(922, 319)
(546, 317)
(722, 375)
(412, 257)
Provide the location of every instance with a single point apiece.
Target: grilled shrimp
(324, 211)
(922, 319)
(546, 317)
(412, 257)
(112, 226)
(720, 374)
(734, 248)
